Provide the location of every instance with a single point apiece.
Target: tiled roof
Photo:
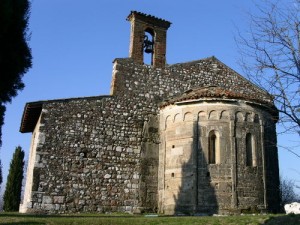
(214, 92)
(150, 17)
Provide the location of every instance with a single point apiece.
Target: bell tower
(148, 34)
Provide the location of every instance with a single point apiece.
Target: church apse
(211, 157)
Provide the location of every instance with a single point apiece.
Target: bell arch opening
(148, 46)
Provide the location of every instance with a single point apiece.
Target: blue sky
(74, 42)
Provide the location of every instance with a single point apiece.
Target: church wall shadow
(196, 191)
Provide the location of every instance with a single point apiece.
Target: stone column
(261, 122)
(232, 126)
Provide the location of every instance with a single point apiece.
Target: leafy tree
(15, 55)
(270, 55)
(12, 194)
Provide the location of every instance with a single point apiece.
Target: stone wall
(153, 85)
(33, 164)
(101, 153)
(90, 158)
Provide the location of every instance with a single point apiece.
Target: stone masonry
(122, 152)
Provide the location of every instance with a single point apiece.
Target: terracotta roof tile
(215, 92)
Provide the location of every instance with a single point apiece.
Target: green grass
(124, 219)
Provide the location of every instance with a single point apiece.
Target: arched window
(213, 148)
(250, 150)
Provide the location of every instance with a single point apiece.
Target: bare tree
(1, 201)
(287, 191)
(270, 56)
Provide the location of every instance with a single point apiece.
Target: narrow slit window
(250, 150)
(212, 143)
(212, 149)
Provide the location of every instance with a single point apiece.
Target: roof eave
(31, 114)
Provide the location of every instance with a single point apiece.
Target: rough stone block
(58, 199)
(47, 200)
(48, 207)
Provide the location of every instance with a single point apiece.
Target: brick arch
(167, 121)
(225, 115)
(188, 116)
(239, 116)
(249, 117)
(256, 118)
(177, 118)
(213, 115)
(202, 115)
(150, 30)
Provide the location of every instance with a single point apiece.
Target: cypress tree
(15, 54)
(12, 194)
(0, 174)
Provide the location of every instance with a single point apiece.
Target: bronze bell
(148, 45)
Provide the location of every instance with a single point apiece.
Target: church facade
(188, 138)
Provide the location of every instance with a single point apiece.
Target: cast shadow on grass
(84, 215)
(290, 219)
(25, 215)
(25, 223)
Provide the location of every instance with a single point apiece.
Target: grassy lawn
(116, 219)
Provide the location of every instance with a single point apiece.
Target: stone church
(188, 138)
